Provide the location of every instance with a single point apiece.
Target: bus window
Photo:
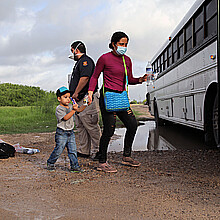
(198, 28)
(175, 55)
(161, 63)
(180, 45)
(158, 65)
(156, 69)
(211, 17)
(170, 55)
(153, 66)
(188, 36)
(165, 59)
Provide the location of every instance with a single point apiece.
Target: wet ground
(169, 137)
(182, 181)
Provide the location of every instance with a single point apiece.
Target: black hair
(116, 37)
(59, 93)
(80, 45)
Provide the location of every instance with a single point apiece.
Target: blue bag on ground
(115, 101)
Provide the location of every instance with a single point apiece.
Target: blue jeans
(64, 139)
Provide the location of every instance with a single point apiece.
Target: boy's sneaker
(76, 170)
(130, 162)
(106, 168)
(51, 167)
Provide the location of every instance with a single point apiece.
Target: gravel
(182, 184)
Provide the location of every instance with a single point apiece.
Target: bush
(19, 95)
(133, 102)
(26, 109)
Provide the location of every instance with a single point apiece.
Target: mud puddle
(150, 138)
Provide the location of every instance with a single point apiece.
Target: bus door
(190, 108)
(186, 106)
(182, 106)
(169, 108)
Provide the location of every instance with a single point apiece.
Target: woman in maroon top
(111, 64)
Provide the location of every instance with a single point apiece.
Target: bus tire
(158, 120)
(211, 123)
(215, 120)
(156, 114)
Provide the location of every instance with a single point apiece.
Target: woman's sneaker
(130, 162)
(76, 170)
(106, 168)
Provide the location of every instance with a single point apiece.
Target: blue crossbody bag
(115, 101)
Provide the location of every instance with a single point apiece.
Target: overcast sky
(35, 35)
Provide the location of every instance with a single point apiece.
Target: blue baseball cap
(62, 91)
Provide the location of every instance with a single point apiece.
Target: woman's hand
(90, 97)
(143, 78)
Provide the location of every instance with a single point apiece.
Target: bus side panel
(178, 107)
(210, 50)
(173, 77)
(199, 107)
(189, 109)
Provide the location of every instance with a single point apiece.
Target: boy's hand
(75, 106)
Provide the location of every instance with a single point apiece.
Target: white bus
(185, 91)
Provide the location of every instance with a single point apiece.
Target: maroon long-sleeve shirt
(114, 72)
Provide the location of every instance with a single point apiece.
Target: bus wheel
(215, 119)
(211, 122)
(158, 120)
(156, 116)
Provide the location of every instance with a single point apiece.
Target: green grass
(136, 113)
(27, 119)
(33, 119)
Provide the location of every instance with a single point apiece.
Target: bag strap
(125, 75)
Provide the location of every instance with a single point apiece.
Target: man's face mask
(74, 56)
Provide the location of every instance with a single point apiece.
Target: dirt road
(168, 185)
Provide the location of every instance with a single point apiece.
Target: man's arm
(82, 82)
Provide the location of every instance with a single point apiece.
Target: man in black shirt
(86, 121)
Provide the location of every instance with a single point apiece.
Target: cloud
(35, 36)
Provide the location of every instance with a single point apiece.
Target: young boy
(64, 133)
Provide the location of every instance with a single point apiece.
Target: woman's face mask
(121, 50)
(120, 47)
